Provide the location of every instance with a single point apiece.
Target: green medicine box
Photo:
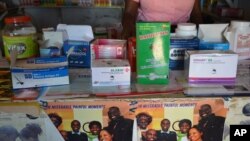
(152, 52)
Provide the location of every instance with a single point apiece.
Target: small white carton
(40, 72)
(212, 38)
(110, 72)
(76, 47)
(211, 66)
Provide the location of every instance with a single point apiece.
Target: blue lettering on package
(42, 73)
(80, 56)
(213, 45)
(52, 73)
(47, 60)
(178, 47)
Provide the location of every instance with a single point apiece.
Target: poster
(174, 110)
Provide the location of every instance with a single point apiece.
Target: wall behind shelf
(245, 4)
(49, 17)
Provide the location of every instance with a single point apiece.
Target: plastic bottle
(19, 33)
(186, 30)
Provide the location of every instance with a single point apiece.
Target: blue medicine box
(214, 45)
(40, 72)
(78, 53)
(178, 46)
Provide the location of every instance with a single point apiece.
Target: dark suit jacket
(77, 137)
(171, 136)
(122, 128)
(212, 127)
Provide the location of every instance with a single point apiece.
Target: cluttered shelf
(72, 4)
(80, 100)
(81, 88)
(88, 67)
(212, 17)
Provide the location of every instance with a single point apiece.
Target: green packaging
(152, 52)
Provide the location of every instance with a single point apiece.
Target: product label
(152, 52)
(26, 46)
(243, 40)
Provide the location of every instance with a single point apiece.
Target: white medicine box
(110, 72)
(206, 66)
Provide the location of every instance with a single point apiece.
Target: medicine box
(78, 53)
(152, 52)
(178, 46)
(211, 66)
(212, 38)
(204, 45)
(40, 72)
(108, 49)
(110, 72)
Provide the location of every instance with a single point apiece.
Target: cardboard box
(212, 38)
(238, 36)
(110, 72)
(40, 72)
(108, 49)
(178, 46)
(52, 43)
(78, 53)
(152, 52)
(76, 45)
(211, 66)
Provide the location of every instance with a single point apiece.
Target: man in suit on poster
(122, 127)
(75, 134)
(164, 134)
(211, 124)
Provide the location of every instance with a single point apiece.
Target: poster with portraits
(154, 110)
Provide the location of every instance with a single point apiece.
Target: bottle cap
(17, 19)
(185, 33)
(186, 26)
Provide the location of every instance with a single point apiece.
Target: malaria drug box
(110, 72)
(76, 45)
(152, 52)
(206, 66)
(40, 72)
(178, 46)
(108, 49)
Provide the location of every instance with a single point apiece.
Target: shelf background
(43, 17)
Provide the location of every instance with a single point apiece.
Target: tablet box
(108, 49)
(110, 72)
(211, 66)
(78, 53)
(178, 46)
(76, 45)
(212, 38)
(39, 72)
(152, 52)
(214, 45)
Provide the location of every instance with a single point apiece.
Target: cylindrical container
(186, 30)
(20, 34)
